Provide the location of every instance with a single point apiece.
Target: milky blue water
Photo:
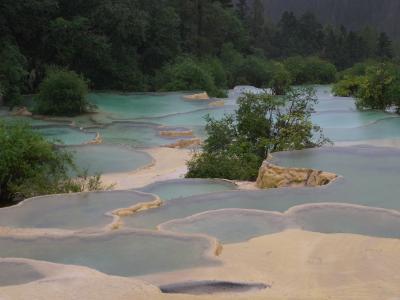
(118, 253)
(101, 159)
(70, 211)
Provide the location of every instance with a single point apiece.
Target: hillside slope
(354, 14)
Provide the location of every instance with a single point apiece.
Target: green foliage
(348, 86)
(12, 73)
(253, 70)
(281, 79)
(31, 166)
(237, 144)
(188, 75)
(62, 93)
(306, 70)
(380, 88)
(125, 44)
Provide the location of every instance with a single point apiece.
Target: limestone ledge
(273, 176)
(181, 144)
(218, 103)
(200, 96)
(175, 133)
(123, 212)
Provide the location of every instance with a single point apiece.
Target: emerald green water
(66, 135)
(134, 106)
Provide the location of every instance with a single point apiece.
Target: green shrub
(237, 144)
(348, 86)
(281, 79)
(254, 71)
(62, 93)
(380, 88)
(310, 70)
(31, 166)
(188, 75)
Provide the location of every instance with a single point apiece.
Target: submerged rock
(200, 96)
(185, 143)
(272, 176)
(175, 133)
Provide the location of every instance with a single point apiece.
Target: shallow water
(136, 134)
(13, 273)
(230, 225)
(66, 135)
(238, 225)
(173, 189)
(370, 179)
(109, 158)
(70, 211)
(347, 219)
(383, 129)
(134, 106)
(119, 253)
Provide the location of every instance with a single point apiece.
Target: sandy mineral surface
(295, 264)
(168, 163)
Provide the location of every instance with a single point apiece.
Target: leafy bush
(186, 74)
(306, 70)
(253, 70)
(348, 86)
(380, 88)
(31, 166)
(237, 144)
(281, 79)
(62, 93)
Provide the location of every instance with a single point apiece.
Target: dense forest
(354, 14)
(144, 45)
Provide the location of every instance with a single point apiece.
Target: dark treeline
(145, 45)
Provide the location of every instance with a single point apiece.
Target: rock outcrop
(272, 176)
(200, 96)
(21, 111)
(97, 140)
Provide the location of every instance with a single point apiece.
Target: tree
(281, 79)
(186, 74)
(237, 144)
(31, 166)
(257, 22)
(242, 9)
(12, 72)
(62, 93)
(384, 49)
(379, 88)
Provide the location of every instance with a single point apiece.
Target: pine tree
(384, 49)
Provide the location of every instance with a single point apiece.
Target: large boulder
(273, 176)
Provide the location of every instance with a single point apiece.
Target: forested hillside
(354, 14)
(165, 45)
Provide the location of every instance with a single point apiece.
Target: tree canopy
(131, 44)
